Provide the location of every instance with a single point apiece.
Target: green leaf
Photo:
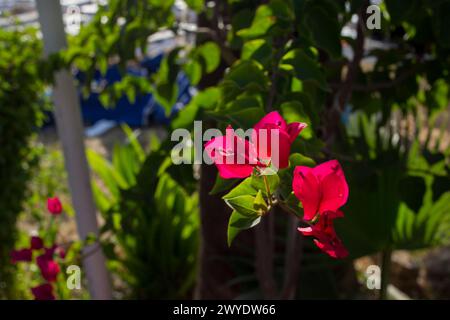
(246, 72)
(244, 188)
(134, 142)
(222, 185)
(125, 162)
(259, 50)
(293, 111)
(110, 177)
(210, 53)
(237, 223)
(245, 118)
(305, 68)
(166, 89)
(297, 159)
(242, 197)
(203, 100)
(243, 204)
(193, 70)
(260, 204)
(325, 29)
(264, 19)
(257, 182)
(196, 5)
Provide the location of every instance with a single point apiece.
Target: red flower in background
(49, 252)
(43, 292)
(235, 157)
(61, 252)
(320, 189)
(325, 235)
(36, 243)
(21, 255)
(49, 268)
(54, 206)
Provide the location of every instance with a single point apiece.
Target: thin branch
(380, 85)
(352, 67)
(273, 78)
(226, 52)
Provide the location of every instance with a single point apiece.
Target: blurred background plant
(150, 232)
(21, 113)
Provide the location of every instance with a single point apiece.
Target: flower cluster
(44, 257)
(322, 190)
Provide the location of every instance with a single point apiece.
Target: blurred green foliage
(21, 112)
(151, 230)
(402, 198)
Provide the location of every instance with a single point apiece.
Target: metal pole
(70, 131)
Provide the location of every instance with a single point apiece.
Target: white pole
(70, 131)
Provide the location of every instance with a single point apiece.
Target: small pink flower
(54, 206)
(236, 157)
(49, 252)
(43, 292)
(273, 123)
(49, 268)
(36, 243)
(320, 189)
(325, 235)
(24, 255)
(61, 252)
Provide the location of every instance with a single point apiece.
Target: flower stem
(288, 209)
(269, 195)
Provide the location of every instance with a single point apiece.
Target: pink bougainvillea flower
(49, 252)
(24, 255)
(49, 268)
(43, 292)
(54, 206)
(61, 252)
(273, 125)
(36, 243)
(325, 235)
(320, 189)
(235, 157)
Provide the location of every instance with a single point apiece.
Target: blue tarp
(145, 110)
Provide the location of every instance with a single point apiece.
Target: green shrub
(151, 230)
(20, 114)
